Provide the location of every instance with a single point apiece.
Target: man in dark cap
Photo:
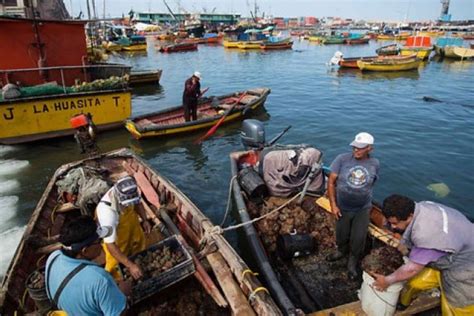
(118, 208)
(74, 283)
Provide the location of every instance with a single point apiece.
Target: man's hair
(76, 231)
(398, 206)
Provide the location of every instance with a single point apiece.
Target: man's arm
(332, 195)
(405, 272)
(115, 251)
(142, 213)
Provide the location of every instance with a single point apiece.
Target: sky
(388, 10)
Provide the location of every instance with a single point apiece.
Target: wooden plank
(353, 309)
(237, 301)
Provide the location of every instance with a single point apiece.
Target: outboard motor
(252, 134)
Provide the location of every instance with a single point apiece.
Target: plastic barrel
(377, 303)
(295, 245)
(252, 184)
(38, 295)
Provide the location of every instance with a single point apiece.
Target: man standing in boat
(192, 92)
(441, 240)
(350, 188)
(118, 208)
(74, 283)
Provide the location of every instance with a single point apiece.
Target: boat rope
(254, 292)
(229, 196)
(215, 230)
(23, 299)
(53, 213)
(244, 273)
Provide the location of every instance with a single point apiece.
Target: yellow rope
(258, 289)
(38, 261)
(248, 271)
(23, 298)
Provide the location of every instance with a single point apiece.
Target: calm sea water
(418, 143)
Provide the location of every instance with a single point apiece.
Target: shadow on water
(411, 74)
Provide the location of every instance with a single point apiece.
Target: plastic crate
(152, 285)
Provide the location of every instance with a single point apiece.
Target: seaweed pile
(304, 219)
(383, 260)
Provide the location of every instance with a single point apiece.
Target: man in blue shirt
(90, 289)
(350, 187)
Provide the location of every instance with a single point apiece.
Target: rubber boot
(336, 255)
(352, 268)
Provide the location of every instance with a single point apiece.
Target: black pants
(351, 232)
(190, 110)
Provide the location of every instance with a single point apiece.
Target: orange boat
(180, 47)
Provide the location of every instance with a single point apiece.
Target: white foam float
(11, 166)
(10, 240)
(8, 207)
(8, 186)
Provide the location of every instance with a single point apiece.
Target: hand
(135, 271)
(125, 287)
(336, 211)
(146, 226)
(380, 283)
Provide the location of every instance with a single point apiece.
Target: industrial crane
(445, 16)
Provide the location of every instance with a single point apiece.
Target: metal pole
(62, 80)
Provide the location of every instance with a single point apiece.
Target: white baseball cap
(362, 140)
(197, 74)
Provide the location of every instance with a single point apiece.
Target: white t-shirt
(107, 216)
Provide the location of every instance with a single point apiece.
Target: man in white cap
(192, 92)
(119, 208)
(350, 187)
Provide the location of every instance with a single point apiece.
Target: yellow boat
(431, 33)
(389, 65)
(315, 38)
(463, 52)
(111, 47)
(171, 121)
(137, 47)
(384, 37)
(421, 52)
(249, 45)
(402, 36)
(48, 115)
(230, 43)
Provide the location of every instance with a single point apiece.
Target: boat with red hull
(180, 47)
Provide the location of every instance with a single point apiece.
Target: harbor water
(425, 148)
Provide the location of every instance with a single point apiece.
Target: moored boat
(385, 37)
(291, 238)
(328, 40)
(180, 47)
(229, 43)
(351, 62)
(225, 287)
(463, 52)
(391, 49)
(421, 45)
(444, 46)
(249, 44)
(134, 47)
(104, 95)
(210, 110)
(391, 64)
(274, 43)
(357, 41)
(145, 77)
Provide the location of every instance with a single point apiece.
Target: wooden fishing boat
(316, 39)
(224, 286)
(444, 46)
(386, 37)
(228, 43)
(180, 47)
(134, 47)
(410, 63)
(463, 52)
(402, 36)
(351, 62)
(421, 45)
(44, 111)
(249, 44)
(431, 33)
(333, 40)
(309, 283)
(276, 45)
(210, 110)
(357, 41)
(166, 37)
(145, 77)
(391, 49)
